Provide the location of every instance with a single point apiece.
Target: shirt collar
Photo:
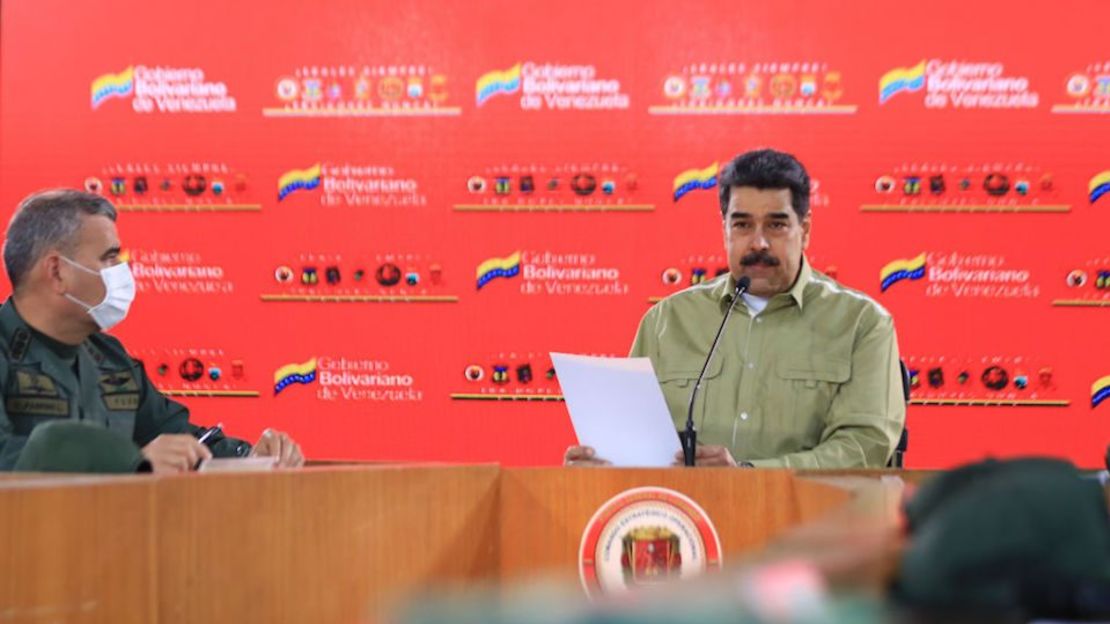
(11, 322)
(725, 289)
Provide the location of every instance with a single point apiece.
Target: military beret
(1026, 535)
(76, 446)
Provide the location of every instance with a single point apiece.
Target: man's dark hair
(44, 221)
(766, 169)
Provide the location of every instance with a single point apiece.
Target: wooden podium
(333, 544)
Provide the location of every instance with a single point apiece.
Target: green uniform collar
(796, 292)
(12, 324)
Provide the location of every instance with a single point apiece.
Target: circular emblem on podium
(645, 536)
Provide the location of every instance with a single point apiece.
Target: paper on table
(617, 407)
(237, 464)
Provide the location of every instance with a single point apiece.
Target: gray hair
(44, 221)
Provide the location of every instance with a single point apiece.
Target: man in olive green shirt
(61, 253)
(807, 372)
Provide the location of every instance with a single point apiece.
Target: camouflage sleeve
(158, 414)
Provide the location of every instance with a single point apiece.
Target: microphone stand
(689, 437)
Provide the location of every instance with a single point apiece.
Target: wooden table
(337, 543)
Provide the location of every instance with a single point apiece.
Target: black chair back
(897, 459)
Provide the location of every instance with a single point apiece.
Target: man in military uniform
(68, 286)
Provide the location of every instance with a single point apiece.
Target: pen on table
(211, 432)
(208, 434)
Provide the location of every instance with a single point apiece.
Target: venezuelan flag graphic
(1100, 391)
(304, 373)
(498, 267)
(913, 269)
(489, 85)
(112, 85)
(1099, 186)
(695, 179)
(297, 179)
(901, 79)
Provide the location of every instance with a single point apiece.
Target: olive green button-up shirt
(813, 381)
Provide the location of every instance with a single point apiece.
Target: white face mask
(119, 292)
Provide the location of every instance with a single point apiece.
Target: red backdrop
(985, 155)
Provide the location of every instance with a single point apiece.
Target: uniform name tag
(37, 406)
(128, 401)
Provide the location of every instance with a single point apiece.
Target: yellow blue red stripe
(695, 179)
(901, 269)
(299, 373)
(499, 81)
(1099, 186)
(1100, 391)
(493, 268)
(901, 79)
(297, 179)
(112, 85)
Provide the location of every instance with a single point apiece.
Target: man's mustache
(759, 257)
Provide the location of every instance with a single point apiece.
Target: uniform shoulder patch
(96, 354)
(21, 342)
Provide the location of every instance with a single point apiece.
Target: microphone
(689, 437)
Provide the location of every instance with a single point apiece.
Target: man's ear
(807, 224)
(51, 267)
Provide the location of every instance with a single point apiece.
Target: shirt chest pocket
(33, 397)
(119, 398)
(807, 386)
(678, 383)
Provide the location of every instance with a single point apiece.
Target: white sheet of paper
(237, 464)
(617, 407)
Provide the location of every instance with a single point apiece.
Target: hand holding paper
(617, 407)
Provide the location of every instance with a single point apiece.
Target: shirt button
(758, 320)
(751, 364)
(743, 416)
